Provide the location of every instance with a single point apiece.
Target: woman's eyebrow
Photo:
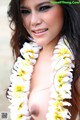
(23, 7)
(46, 2)
(40, 4)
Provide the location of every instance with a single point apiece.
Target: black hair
(71, 27)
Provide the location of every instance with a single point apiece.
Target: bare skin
(44, 23)
(40, 94)
(40, 85)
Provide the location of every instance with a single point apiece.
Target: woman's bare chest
(41, 76)
(40, 86)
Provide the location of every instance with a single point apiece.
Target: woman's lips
(39, 32)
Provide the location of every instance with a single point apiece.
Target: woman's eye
(25, 12)
(44, 8)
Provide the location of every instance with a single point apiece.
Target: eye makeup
(42, 7)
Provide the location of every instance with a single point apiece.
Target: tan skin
(44, 25)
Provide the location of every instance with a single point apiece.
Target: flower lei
(61, 79)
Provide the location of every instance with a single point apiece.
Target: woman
(47, 37)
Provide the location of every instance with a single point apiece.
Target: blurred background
(6, 59)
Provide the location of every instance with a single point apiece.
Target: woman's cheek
(54, 16)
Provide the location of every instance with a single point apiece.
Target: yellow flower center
(63, 51)
(21, 105)
(21, 72)
(60, 78)
(19, 88)
(20, 117)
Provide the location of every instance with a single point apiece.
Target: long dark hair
(71, 29)
(19, 34)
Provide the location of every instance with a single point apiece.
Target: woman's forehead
(29, 3)
(35, 1)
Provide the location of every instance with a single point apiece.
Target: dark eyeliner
(45, 8)
(24, 11)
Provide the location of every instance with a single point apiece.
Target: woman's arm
(77, 85)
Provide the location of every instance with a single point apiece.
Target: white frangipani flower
(61, 78)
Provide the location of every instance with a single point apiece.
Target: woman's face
(42, 20)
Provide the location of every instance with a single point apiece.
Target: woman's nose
(35, 19)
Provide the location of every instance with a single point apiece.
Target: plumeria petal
(61, 78)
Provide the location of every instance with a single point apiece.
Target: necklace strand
(61, 78)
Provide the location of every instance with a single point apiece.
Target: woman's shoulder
(77, 70)
(77, 84)
(77, 76)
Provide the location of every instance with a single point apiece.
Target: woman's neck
(49, 48)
